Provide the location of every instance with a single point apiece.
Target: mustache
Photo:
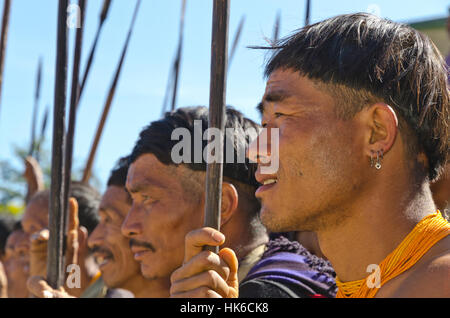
(134, 242)
(101, 250)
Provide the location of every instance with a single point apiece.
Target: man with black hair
(166, 181)
(361, 105)
(83, 214)
(121, 276)
(110, 248)
(17, 262)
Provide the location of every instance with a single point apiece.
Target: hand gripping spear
(112, 90)
(55, 272)
(214, 170)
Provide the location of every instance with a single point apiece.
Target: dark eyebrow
(105, 210)
(148, 182)
(275, 96)
(271, 97)
(135, 188)
(260, 108)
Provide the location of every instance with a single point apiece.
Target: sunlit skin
(17, 264)
(325, 184)
(35, 224)
(441, 190)
(161, 214)
(112, 249)
(168, 203)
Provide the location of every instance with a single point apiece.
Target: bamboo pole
(88, 169)
(214, 170)
(55, 264)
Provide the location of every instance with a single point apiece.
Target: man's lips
(102, 259)
(102, 256)
(139, 248)
(267, 181)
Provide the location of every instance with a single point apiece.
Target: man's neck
(378, 224)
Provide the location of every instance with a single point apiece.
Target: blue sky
(142, 84)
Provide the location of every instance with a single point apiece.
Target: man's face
(111, 249)
(319, 156)
(17, 263)
(162, 213)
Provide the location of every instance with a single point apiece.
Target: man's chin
(273, 222)
(148, 272)
(268, 220)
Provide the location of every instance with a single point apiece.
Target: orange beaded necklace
(425, 234)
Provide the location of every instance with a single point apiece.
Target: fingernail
(218, 237)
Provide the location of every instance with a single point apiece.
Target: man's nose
(96, 238)
(131, 226)
(259, 149)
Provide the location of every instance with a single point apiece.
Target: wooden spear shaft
(35, 109)
(178, 56)
(308, 12)
(236, 41)
(3, 39)
(103, 16)
(214, 170)
(74, 96)
(88, 169)
(55, 264)
(276, 28)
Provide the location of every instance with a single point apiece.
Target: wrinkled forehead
(147, 170)
(294, 89)
(115, 199)
(282, 81)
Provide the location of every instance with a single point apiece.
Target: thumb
(72, 232)
(230, 258)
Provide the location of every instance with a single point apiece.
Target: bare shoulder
(431, 276)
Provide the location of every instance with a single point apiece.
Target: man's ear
(382, 122)
(229, 202)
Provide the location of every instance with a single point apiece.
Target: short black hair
(7, 223)
(118, 175)
(88, 199)
(156, 139)
(366, 59)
